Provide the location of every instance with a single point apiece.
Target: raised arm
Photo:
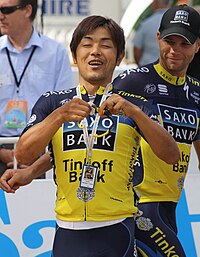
(34, 141)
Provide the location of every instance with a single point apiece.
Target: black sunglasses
(10, 9)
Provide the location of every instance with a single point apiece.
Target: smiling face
(176, 53)
(96, 58)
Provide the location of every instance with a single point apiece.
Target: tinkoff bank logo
(158, 239)
(181, 123)
(73, 137)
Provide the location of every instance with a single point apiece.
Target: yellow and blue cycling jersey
(114, 154)
(176, 99)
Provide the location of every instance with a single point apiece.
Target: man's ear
(74, 58)
(28, 8)
(120, 58)
(198, 45)
(158, 35)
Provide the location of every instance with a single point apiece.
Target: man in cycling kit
(176, 97)
(93, 127)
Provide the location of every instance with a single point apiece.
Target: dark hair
(93, 22)
(33, 3)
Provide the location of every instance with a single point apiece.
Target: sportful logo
(162, 89)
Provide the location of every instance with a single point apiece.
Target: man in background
(176, 96)
(193, 68)
(30, 64)
(145, 46)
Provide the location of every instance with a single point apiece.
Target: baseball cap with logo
(181, 20)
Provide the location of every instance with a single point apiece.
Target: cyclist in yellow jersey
(176, 97)
(93, 128)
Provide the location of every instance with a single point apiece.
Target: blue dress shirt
(145, 38)
(49, 69)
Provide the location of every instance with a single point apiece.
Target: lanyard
(89, 139)
(12, 68)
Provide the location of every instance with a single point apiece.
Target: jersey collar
(178, 81)
(100, 90)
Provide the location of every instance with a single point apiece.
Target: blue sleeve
(138, 39)
(40, 111)
(63, 70)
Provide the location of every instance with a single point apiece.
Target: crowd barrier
(27, 218)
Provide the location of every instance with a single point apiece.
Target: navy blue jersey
(69, 152)
(176, 99)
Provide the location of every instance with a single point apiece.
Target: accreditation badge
(88, 177)
(15, 114)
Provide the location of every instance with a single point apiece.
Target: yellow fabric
(113, 196)
(167, 180)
